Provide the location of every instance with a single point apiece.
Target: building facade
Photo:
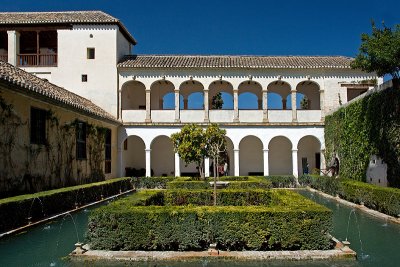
(273, 106)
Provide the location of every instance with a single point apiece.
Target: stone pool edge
(340, 252)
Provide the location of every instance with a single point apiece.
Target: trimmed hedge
(297, 223)
(382, 199)
(241, 182)
(282, 181)
(151, 182)
(14, 211)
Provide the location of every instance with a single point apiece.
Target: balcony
(221, 115)
(37, 60)
(280, 115)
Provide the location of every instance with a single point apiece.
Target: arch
(133, 96)
(159, 89)
(133, 156)
(168, 101)
(251, 156)
(250, 95)
(193, 96)
(226, 90)
(280, 156)
(308, 151)
(310, 89)
(274, 101)
(281, 88)
(162, 156)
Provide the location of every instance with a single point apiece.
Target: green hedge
(365, 127)
(151, 182)
(298, 224)
(382, 199)
(282, 181)
(14, 211)
(248, 182)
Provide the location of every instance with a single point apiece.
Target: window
(84, 77)
(90, 53)
(80, 140)
(38, 126)
(107, 148)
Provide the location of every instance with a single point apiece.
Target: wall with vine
(28, 168)
(370, 125)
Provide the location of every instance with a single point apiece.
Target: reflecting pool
(375, 241)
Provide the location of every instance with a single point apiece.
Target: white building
(89, 53)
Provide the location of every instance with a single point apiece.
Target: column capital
(235, 91)
(147, 90)
(206, 90)
(321, 90)
(148, 150)
(236, 150)
(265, 90)
(176, 90)
(293, 91)
(265, 150)
(294, 150)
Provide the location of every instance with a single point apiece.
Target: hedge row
(300, 226)
(151, 182)
(249, 182)
(382, 199)
(14, 211)
(282, 181)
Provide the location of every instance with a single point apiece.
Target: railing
(4, 58)
(43, 60)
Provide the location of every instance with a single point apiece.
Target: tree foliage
(217, 101)
(380, 51)
(190, 144)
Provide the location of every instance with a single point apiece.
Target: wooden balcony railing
(42, 60)
(4, 58)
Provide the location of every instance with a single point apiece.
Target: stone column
(266, 166)
(121, 171)
(206, 107)
(323, 162)
(236, 159)
(177, 106)
(177, 165)
(148, 162)
(294, 108)
(265, 105)
(119, 105)
(294, 163)
(235, 105)
(322, 104)
(13, 47)
(207, 167)
(148, 106)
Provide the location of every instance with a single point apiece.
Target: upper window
(38, 126)
(80, 140)
(90, 53)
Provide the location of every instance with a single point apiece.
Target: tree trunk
(215, 182)
(396, 83)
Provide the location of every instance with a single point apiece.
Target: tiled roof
(64, 17)
(247, 62)
(34, 84)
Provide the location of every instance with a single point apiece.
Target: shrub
(151, 182)
(14, 211)
(327, 184)
(250, 182)
(299, 224)
(383, 199)
(282, 181)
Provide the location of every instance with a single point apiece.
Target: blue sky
(251, 27)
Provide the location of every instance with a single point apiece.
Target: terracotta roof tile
(63, 17)
(247, 62)
(32, 83)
